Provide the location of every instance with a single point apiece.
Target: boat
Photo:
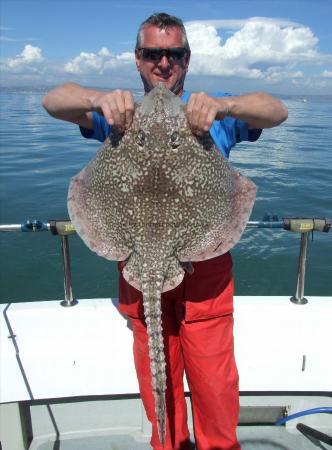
(67, 378)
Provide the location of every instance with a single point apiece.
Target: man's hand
(117, 107)
(75, 103)
(202, 110)
(258, 109)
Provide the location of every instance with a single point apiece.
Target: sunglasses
(156, 53)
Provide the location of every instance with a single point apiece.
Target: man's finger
(129, 108)
(209, 118)
(193, 111)
(107, 113)
(118, 110)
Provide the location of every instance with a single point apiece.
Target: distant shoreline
(138, 90)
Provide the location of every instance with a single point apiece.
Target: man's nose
(164, 62)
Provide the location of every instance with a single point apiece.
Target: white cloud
(28, 58)
(327, 74)
(275, 74)
(236, 24)
(260, 48)
(311, 83)
(84, 63)
(7, 39)
(98, 62)
(203, 38)
(126, 57)
(104, 52)
(258, 43)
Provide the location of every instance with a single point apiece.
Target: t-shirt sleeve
(237, 130)
(101, 129)
(243, 133)
(228, 132)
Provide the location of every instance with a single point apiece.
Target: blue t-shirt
(225, 133)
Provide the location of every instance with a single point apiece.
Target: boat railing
(302, 225)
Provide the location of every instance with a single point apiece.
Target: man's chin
(166, 81)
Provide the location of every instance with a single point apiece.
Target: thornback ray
(159, 197)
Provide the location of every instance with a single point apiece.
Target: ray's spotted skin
(159, 197)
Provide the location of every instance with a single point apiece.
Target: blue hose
(307, 412)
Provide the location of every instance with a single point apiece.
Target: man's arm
(258, 109)
(74, 103)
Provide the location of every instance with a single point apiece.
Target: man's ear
(187, 61)
(137, 60)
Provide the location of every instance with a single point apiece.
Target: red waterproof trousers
(198, 337)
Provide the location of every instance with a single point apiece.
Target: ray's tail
(151, 286)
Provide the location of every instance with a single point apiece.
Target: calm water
(291, 165)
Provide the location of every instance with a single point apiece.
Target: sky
(238, 46)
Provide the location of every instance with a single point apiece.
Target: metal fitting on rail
(61, 227)
(303, 225)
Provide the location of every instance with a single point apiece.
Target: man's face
(171, 72)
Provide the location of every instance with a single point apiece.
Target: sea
(291, 166)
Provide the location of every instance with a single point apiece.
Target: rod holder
(298, 298)
(68, 301)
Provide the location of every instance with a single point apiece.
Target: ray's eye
(140, 138)
(175, 140)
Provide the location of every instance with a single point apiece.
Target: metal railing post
(298, 298)
(68, 301)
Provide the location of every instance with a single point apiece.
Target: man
(197, 315)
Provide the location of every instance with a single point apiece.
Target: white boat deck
(121, 425)
(251, 438)
(59, 365)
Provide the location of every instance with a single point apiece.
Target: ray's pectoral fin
(224, 230)
(174, 273)
(243, 198)
(93, 225)
(132, 270)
